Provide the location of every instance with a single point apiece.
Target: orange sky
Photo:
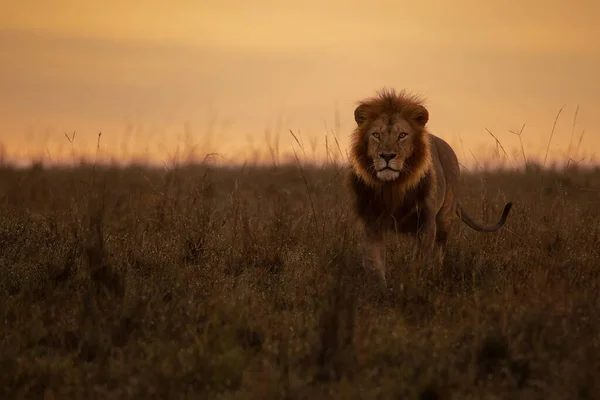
(146, 73)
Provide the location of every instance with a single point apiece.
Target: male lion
(403, 178)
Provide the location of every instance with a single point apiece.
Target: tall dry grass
(245, 282)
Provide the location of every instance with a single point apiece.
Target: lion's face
(391, 141)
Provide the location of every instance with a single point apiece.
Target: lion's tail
(467, 219)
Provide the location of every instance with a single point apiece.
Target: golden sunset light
(308, 199)
(231, 76)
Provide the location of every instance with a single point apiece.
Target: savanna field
(246, 283)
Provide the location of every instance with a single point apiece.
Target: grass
(245, 283)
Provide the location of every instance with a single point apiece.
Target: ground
(245, 283)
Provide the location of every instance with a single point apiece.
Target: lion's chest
(391, 208)
(401, 212)
(405, 215)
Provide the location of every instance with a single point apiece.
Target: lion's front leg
(426, 239)
(374, 254)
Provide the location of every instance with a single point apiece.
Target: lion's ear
(421, 115)
(360, 114)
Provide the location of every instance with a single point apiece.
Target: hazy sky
(147, 72)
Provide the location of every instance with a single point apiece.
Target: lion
(403, 178)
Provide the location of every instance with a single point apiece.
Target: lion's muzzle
(387, 157)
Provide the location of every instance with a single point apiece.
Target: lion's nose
(387, 156)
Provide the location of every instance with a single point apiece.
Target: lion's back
(444, 158)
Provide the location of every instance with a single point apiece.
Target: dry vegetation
(245, 283)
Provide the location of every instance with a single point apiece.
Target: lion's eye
(402, 135)
(376, 135)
